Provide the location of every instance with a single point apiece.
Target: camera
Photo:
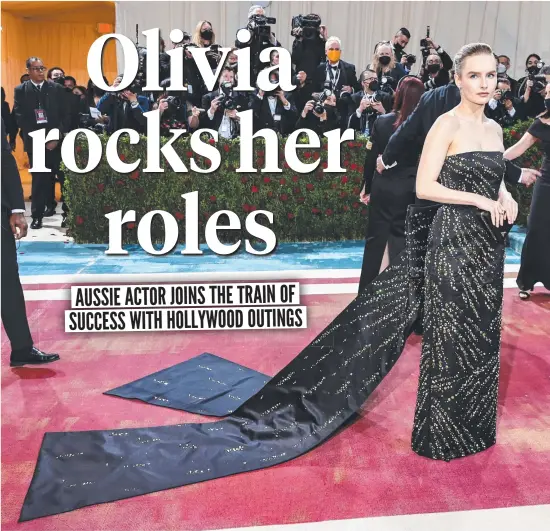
(386, 84)
(259, 26)
(214, 56)
(411, 59)
(539, 80)
(423, 42)
(320, 98)
(174, 104)
(507, 95)
(309, 24)
(227, 102)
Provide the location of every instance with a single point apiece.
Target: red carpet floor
(367, 470)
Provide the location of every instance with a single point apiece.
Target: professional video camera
(260, 39)
(320, 98)
(306, 26)
(425, 46)
(539, 80)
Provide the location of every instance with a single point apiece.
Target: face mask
(547, 104)
(333, 55)
(373, 85)
(434, 69)
(206, 34)
(398, 47)
(385, 60)
(533, 70)
(501, 69)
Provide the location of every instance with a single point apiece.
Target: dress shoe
(32, 356)
(49, 212)
(36, 223)
(64, 221)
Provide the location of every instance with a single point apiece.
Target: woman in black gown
(535, 255)
(392, 192)
(452, 269)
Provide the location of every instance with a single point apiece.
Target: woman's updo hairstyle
(469, 50)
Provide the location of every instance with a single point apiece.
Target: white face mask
(501, 69)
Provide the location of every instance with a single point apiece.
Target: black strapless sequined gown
(321, 390)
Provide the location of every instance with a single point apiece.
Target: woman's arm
(432, 159)
(527, 140)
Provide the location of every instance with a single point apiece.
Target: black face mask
(374, 85)
(434, 69)
(533, 70)
(398, 47)
(207, 34)
(385, 60)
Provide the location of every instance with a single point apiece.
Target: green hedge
(306, 207)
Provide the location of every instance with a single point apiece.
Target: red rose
(354, 167)
(259, 162)
(324, 165)
(122, 157)
(120, 183)
(134, 175)
(254, 189)
(300, 199)
(315, 211)
(78, 149)
(346, 163)
(101, 187)
(246, 207)
(295, 178)
(261, 153)
(282, 181)
(307, 155)
(316, 155)
(253, 207)
(267, 180)
(351, 144)
(212, 198)
(328, 212)
(344, 179)
(270, 194)
(189, 154)
(211, 141)
(244, 180)
(290, 215)
(355, 205)
(283, 197)
(343, 194)
(226, 148)
(309, 187)
(179, 215)
(131, 226)
(79, 220)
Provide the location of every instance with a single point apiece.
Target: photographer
(387, 70)
(308, 48)
(223, 105)
(434, 74)
(502, 70)
(320, 114)
(124, 108)
(176, 114)
(204, 35)
(532, 88)
(399, 42)
(273, 110)
(503, 107)
(368, 103)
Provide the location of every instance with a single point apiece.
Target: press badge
(276, 117)
(369, 145)
(190, 89)
(41, 117)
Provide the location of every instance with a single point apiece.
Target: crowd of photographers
(330, 92)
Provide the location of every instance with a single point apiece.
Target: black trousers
(43, 183)
(14, 314)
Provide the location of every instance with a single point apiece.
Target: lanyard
(334, 78)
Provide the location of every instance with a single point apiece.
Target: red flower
(346, 163)
(78, 149)
(300, 199)
(260, 162)
(101, 187)
(355, 205)
(307, 155)
(296, 190)
(267, 180)
(316, 155)
(315, 211)
(344, 179)
(79, 220)
(212, 198)
(334, 185)
(261, 153)
(244, 180)
(254, 189)
(189, 154)
(324, 165)
(282, 181)
(290, 215)
(356, 190)
(211, 141)
(134, 175)
(346, 208)
(328, 212)
(253, 207)
(120, 183)
(246, 207)
(179, 215)
(131, 226)
(309, 187)
(270, 194)
(122, 157)
(283, 197)
(351, 144)
(295, 178)
(354, 167)
(343, 194)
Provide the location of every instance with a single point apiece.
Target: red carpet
(367, 470)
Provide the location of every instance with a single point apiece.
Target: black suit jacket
(55, 102)
(431, 106)
(12, 190)
(242, 105)
(347, 77)
(263, 119)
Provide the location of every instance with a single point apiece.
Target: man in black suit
(432, 105)
(40, 104)
(14, 226)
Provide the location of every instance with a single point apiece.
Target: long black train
(317, 393)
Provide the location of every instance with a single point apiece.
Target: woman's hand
(494, 207)
(509, 204)
(308, 107)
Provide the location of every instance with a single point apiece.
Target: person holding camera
(504, 64)
(320, 114)
(222, 106)
(532, 88)
(368, 104)
(398, 43)
(387, 70)
(308, 48)
(273, 110)
(503, 107)
(435, 71)
(124, 109)
(176, 114)
(390, 193)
